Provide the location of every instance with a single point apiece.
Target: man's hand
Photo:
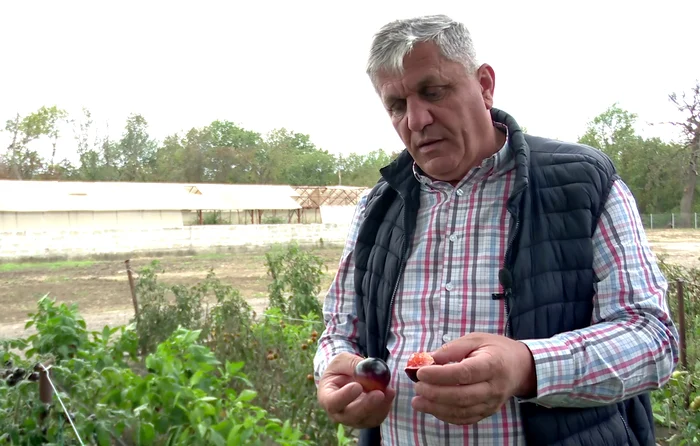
(344, 399)
(476, 375)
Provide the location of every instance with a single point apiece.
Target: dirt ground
(101, 289)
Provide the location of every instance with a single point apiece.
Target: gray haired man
(519, 262)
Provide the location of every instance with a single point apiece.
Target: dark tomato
(373, 374)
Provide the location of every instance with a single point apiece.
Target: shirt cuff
(555, 367)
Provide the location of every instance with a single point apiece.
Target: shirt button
(446, 338)
(448, 287)
(453, 238)
(460, 192)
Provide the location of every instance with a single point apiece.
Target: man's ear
(487, 79)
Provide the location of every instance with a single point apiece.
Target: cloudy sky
(300, 64)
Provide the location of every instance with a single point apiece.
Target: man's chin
(441, 169)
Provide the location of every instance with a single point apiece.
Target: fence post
(696, 220)
(651, 218)
(673, 221)
(132, 286)
(681, 321)
(45, 390)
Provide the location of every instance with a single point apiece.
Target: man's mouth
(429, 144)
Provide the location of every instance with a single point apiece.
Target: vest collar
(400, 174)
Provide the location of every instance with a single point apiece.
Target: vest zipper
(396, 287)
(508, 292)
(627, 431)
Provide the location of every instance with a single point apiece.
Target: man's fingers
(335, 401)
(368, 410)
(456, 350)
(469, 371)
(363, 405)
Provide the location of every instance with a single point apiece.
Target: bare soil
(101, 288)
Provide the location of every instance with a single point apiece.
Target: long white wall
(79, 244)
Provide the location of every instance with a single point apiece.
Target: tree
(135, 152)
(363, 170)
(231, 152)
(690, 130)
(20, 160)
(91, 151)
(642, 163)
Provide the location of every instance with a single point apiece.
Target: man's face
(441, 112)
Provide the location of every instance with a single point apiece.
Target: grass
(213, 256)
(64, 264)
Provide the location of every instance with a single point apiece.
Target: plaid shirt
(445, 293)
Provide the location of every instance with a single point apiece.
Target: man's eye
(397, 107)
(433, 93)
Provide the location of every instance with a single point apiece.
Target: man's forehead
(399, 85)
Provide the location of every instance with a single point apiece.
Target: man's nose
(418, 114)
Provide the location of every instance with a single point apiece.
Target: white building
(68, 205)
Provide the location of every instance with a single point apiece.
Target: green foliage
(215, 218)
(677, 405)
(661, 174)
(650, 167)
(163, 308)
(221, 152)
(273, 220)
(691, 303)
(363, 170)
(296, 279)
(277, 347)
(184, 396)
(59, 329)
(22, 162)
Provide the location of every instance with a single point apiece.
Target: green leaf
(340, 433)
(233, 368)
(106, 333)
(147, 433)
(103, 437)
(233, 436)
(246, 395)
(196, 378)
(216, 438)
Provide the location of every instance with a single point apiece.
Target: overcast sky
(300, 64)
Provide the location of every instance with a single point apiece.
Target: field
(102, 292)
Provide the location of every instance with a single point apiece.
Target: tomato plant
(198, 367)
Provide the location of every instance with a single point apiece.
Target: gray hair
(396, 39)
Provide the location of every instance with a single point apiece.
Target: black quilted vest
(557, 199)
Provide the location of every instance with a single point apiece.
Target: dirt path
(681, 246)
(101, 289)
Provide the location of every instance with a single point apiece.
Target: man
(519, 262)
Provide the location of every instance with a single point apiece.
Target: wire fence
(671, 221)
(43, 391)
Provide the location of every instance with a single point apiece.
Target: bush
(197, 367)
(296, 279)
(277, 346)
(677, 405)
(184, 396)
